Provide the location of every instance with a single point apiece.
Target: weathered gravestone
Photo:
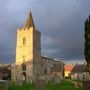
(86, 81)
(4, 84)
(86, 85)
(40, 83)
(56, 79)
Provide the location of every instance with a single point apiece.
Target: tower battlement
(26, 29)
(22, 29)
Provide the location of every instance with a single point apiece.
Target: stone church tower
(28, 51)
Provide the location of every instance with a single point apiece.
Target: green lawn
(64, 85)
(80, 81)
(1, 88)
(23, 87)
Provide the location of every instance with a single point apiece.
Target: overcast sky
(61, 23)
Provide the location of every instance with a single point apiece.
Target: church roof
(29, 21)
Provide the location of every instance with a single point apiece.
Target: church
(29, 62)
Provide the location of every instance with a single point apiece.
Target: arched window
(24, 76)
(45, 71)
(23, 67)
(24, 41)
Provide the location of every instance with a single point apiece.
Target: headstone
(76, 85)
(86, 85)
(40, 84)
(47, 79)
(4, 84)
(86, 81)
(56, 79)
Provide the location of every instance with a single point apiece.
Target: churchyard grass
(64, 85)
(24, 86)
(1, 88)
(80, 81)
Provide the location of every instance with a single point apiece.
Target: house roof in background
(78, 68)
(69, 67)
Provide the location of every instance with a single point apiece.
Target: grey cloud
(61, 23)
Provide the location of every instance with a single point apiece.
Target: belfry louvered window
(24, 41)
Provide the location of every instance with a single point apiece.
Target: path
(81, 85)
